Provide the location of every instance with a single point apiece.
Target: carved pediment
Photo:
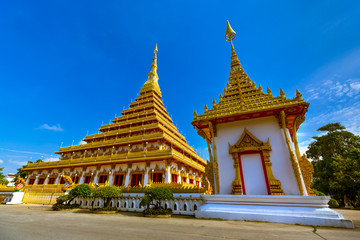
(248, 142)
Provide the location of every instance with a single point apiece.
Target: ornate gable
(248, 142)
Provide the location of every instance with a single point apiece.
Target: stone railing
(46, 198)
(184, 204)
(5, 196)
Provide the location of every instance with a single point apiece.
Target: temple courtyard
(29, 221)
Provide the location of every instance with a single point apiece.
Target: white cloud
(20, 163)
(55, 128)
(19, 151)
(1, 161)
(51, 159)
(81, 142)
(303, 150)
(333, 90)
(347, 116)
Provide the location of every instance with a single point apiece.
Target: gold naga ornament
(68, 183)
(20, 184)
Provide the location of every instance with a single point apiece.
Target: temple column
(46, 180)
(57, 180)
(95, 177)
(127, 178)
(146, 176)
(81, 180)
(36, 180)
(111, 177)
(179, 177)
(167, 175)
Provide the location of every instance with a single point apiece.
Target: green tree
(82, 190)
(154, 195)
(3, 181)
(325, 152)
(346, 181)
(106, 193)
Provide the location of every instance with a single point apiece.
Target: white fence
(185, 204)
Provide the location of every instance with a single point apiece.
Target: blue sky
(68, 66)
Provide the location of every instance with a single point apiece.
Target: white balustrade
(182, 203)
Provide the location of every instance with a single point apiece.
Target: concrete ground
(39, 222)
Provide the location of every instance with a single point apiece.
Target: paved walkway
(39, 222)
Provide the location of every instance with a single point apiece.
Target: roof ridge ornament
(230, 33)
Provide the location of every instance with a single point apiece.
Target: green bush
(106, 209)
(157, 211)
(63, 199)
(82, 190)
(60, 206)
(318, 193)
(106, 193)
(154, 195)
(333, 203)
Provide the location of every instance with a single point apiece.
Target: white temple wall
(262, 128)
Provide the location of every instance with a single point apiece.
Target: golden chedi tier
(140, 147)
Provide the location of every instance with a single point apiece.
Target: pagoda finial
(269, 91)
(214, 102)
(220, 96)
(260, 87)
(153, 72)
(205, 107)
(230, 35)
(152, 78)
(195, 113)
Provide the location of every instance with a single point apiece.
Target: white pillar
(179, 177)
(81, 180)
(95, 177)
(146, 176)
(167, 175)
(46, 180)
(57, 180)
(36, 180)
(111, 177)
(27, 180)
(127, 178)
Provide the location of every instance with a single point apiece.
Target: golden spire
(153, 74)
(152, 78)
(230, 35)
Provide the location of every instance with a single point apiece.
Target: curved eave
(201, 122)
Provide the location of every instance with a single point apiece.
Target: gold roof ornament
(230, 33)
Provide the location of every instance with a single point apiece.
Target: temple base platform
(303, 210)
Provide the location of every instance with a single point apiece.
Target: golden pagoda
(246, 120)
(140, 147)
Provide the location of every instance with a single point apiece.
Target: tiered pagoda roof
(243, 99)
(144, 132)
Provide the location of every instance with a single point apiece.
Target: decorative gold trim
(216, 166)
(209, 169)
(307, 170)
(294, 163)
(248, 142)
